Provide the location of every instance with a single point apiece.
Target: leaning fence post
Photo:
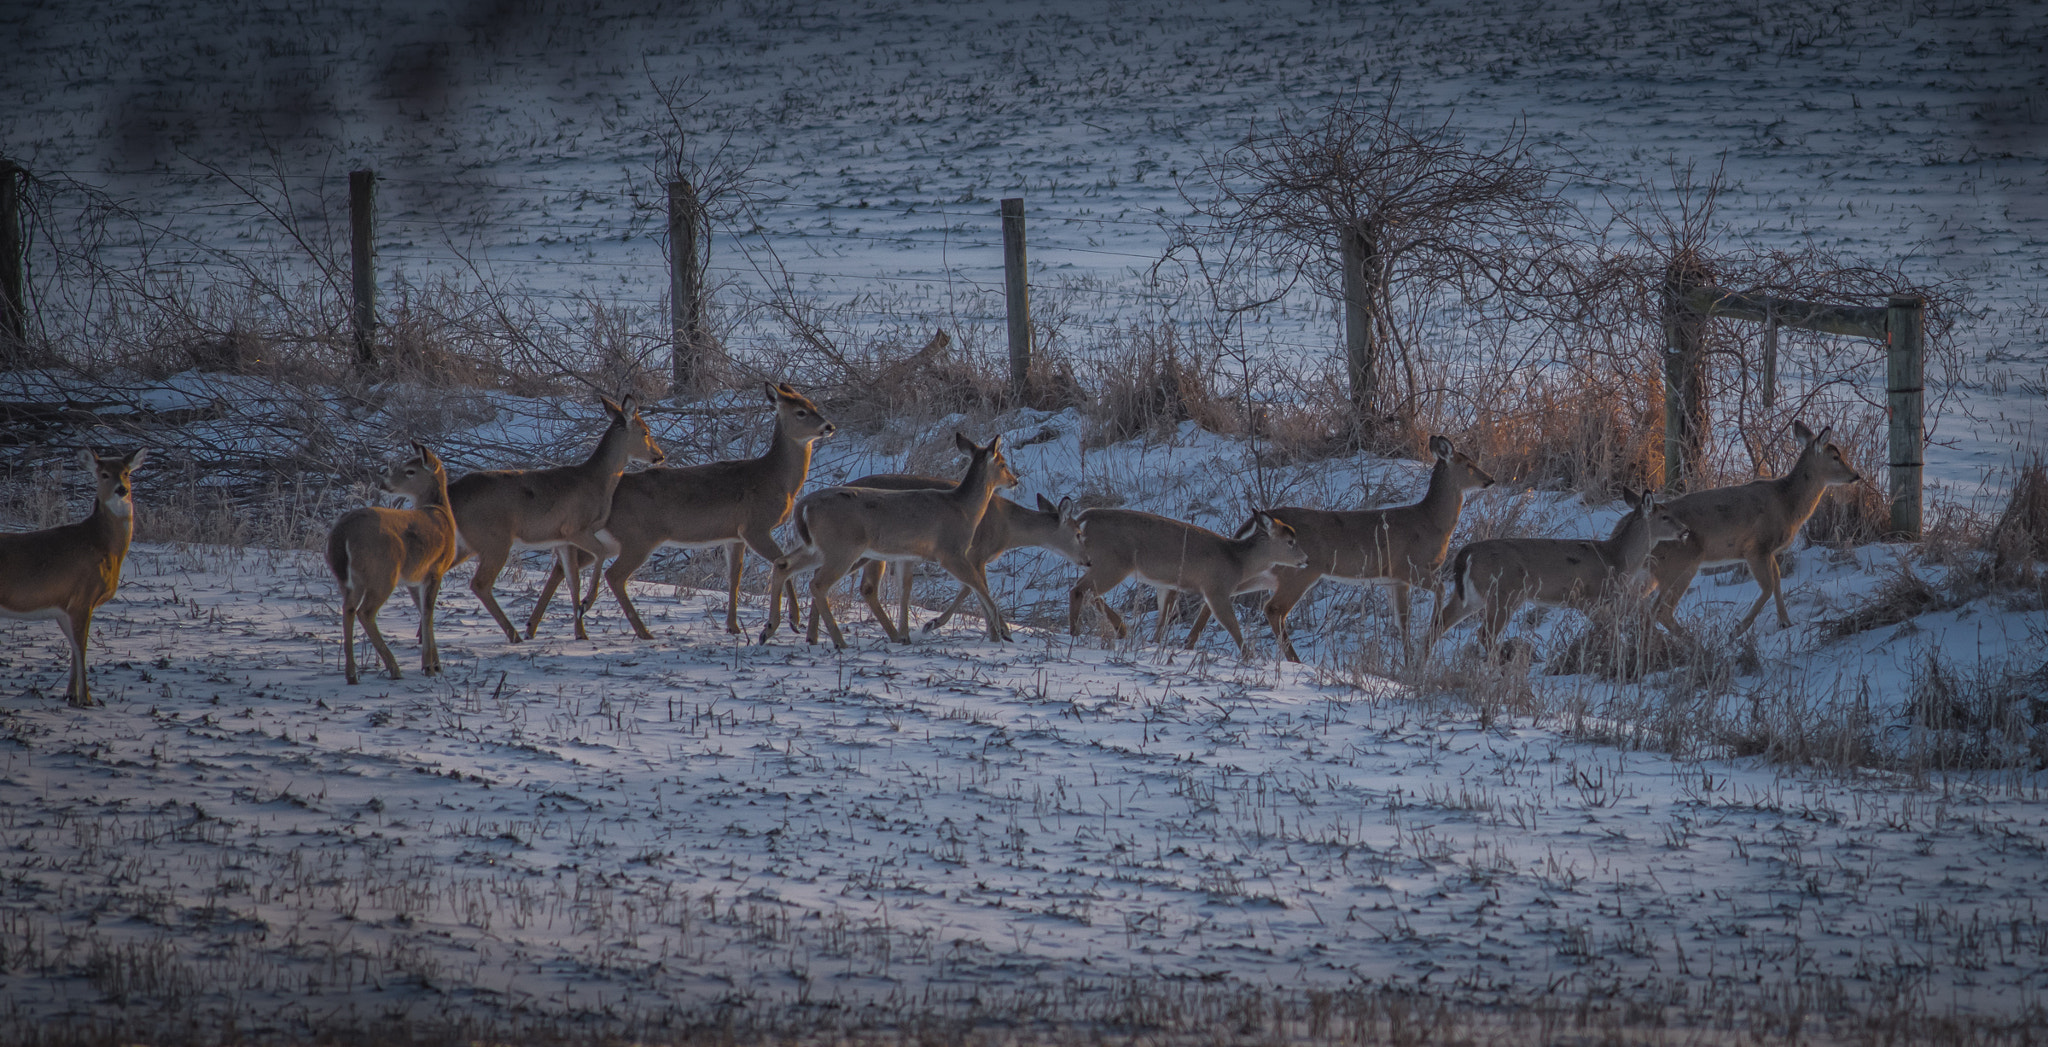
(1017, 290)
(1685, 403)
(362, 222)
(1905, 391)
(685, 290)
(13, 269)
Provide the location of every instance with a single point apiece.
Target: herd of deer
(595, 510)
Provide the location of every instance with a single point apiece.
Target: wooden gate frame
(1900, 324)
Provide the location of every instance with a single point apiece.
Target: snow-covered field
(617, 837)
(617, 832)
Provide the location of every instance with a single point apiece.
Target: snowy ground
(618, 831)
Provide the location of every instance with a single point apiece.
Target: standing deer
(1498, 575)
(562, 509)
(372, 551)
(1749, 523)
(736, 504)
(841, 525)
(66, 572)
(1404, 545)
(1174, 557)
(1005, 526)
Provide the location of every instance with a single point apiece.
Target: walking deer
(500, 510)
(1174, 557)
(372, 551)
(735, 504)
(1403, 546)
(1497, 576)
(1005, 526)
(841, 525)
(1749, 523)
(67, 572)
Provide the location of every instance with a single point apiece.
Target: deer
(374, 550)
(1176, 557)
(735, 504)
(839, 526)
(1005, 526)
(67, 572)
(1749, 523)
(1497, 576)
(562, 509)
(1404, 545)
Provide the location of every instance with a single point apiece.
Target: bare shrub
(1993, 718)
(1149, 378)
(2018, 543)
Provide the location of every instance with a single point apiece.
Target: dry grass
(2018, 543)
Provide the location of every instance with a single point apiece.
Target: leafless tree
(1380, 210)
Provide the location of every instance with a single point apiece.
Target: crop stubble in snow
(623, 832)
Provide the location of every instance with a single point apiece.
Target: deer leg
(348, 634)
(1288, 589)
(1449, 612)
(1673, 572)
(1226, 615)
(1167, 597)
(972, 575)
(615, 577)
(547, 589)
(367, 612)
(959, 601)
(1495, 621)
(425, 595)
(762, 542)
(871, 575)
(1764, 566)
(488, 567)
(77, 691)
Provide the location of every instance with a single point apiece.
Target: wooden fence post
(1360, 364)
(1017, 291)
(13, 270)
(685, 290)
(1685, 402)
(1905, 389)
(362, 225)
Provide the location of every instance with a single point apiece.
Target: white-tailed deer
(736, 504)
(1176, 557)
(1403, 546)
(839, 526)
(373, 551)
(1005, 526)
(1499, 575)
(1749, 523)
(65, 573)
(563, 508)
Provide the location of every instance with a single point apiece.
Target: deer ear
(135, 457)
(1801, 432)
(88, 459)
(774, 393)
(1821, 438)
(1068, 509)
(1630, 498)
(630, 405)
(961, 441)
(1045, 505)
(1440, 447)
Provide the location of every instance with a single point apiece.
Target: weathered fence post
(362, 227)
(1017, 290)
(685, 290)
(13, 270)
(1360, 364)
(1685, 401)
(1905, 389)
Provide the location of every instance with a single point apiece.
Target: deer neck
(787, 459)
(611, 456)
(1629, 545)
(976, 488)
(112, 522)
(1442, 503)
(1803, 486)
